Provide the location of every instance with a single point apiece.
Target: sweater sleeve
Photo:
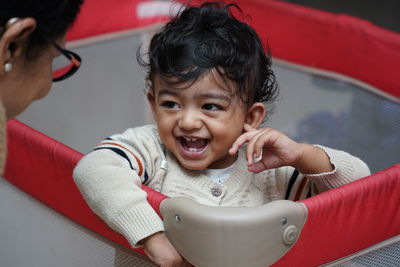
(110, 178)
(294, 185)
(347, 168)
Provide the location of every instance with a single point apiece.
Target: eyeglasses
(65, 65)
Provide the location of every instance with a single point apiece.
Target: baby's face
(198, 124)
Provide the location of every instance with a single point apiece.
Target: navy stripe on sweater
(119, 152)
(291, 183)
(123, 154)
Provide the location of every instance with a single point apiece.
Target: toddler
(210, 86)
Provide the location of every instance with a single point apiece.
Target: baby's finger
(242, 139)
(259, 146)
(257, 167)
(250, 149)
(263, 142)
(248, 128)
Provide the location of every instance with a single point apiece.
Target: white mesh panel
(388, 256)
(385, 254)
(318, 110)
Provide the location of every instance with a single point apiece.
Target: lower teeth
(191, 149)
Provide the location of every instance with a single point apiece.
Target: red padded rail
(99, 17)
(42, 167)
(348, 219)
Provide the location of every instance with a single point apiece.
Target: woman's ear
(255, 115)
(15, 37)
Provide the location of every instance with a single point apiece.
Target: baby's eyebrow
(167, 92)
(209, 95)
(216, 96)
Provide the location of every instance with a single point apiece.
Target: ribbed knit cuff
(138, 223)
(347, 168)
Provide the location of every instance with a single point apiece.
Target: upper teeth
(190, 139)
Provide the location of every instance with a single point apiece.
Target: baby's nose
(190, 120)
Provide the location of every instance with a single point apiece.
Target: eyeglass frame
(73, 57)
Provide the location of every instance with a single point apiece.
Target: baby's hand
(275, 148)
(161, 252)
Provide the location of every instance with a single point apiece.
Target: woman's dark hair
(208, 37)
(53, 17)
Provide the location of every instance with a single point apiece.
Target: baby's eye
(170, 105)
(211, 107)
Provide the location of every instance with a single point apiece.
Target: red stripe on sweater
(300, 189)
(136, 158)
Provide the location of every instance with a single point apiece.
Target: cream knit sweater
(110, 178)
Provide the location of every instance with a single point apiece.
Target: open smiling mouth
(192, 146)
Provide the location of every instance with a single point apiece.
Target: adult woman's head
(31, 36)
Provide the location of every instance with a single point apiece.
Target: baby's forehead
(209, 81)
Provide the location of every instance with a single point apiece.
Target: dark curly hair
(208, 37)
(53, 18)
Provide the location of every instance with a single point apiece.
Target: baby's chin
(193, 167)
(198, 166)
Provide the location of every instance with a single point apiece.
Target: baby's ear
(255, 115)
(150, 97)
(152, 101)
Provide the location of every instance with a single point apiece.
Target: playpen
(338, 78)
